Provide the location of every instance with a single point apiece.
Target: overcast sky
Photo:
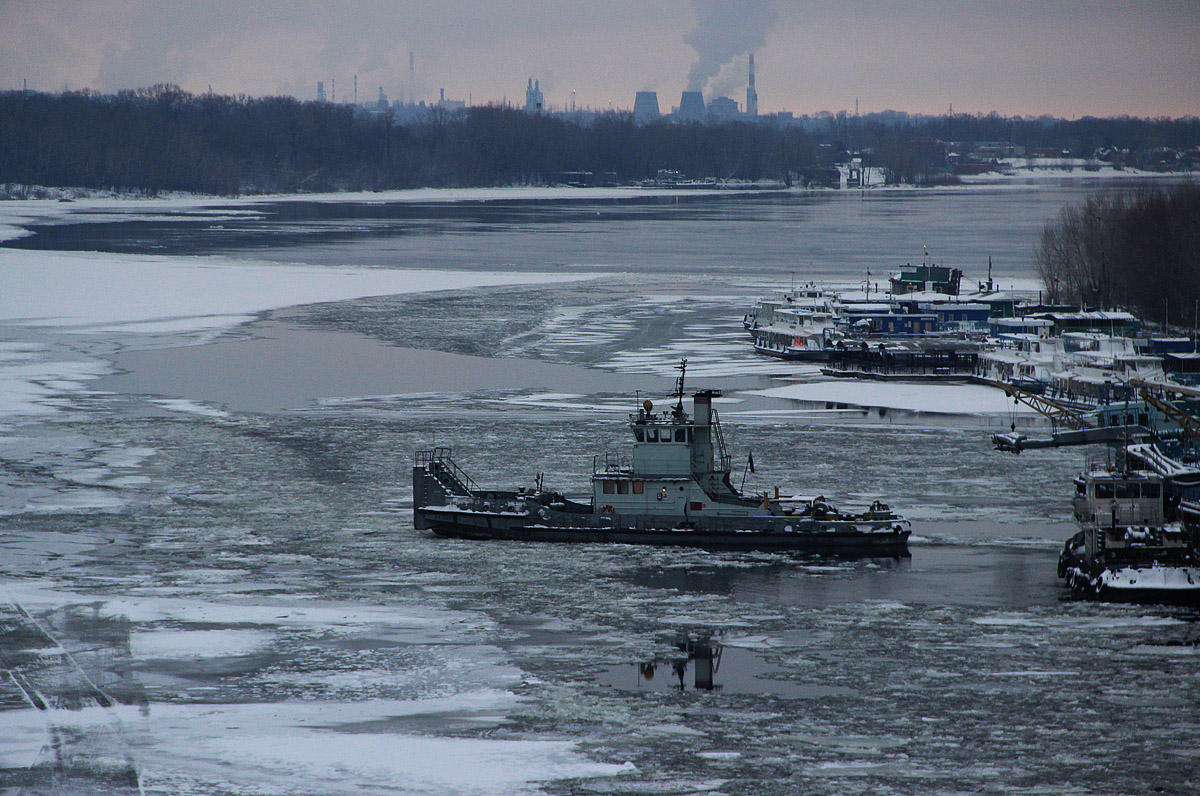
(1017, 57)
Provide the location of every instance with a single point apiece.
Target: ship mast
(682, 368)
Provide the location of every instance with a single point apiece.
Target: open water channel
(210, 582)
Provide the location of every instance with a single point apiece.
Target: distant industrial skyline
(1058, 57)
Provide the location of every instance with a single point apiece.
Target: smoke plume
(724, 30)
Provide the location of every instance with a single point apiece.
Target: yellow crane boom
(1058, 413)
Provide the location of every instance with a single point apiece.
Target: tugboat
(674, 490)
(1132, 545)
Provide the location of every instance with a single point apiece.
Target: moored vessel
(674, 489)
(1133, 544)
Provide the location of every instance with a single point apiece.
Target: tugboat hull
(1137, 575)
(888, 542)
(1174, 585)
(1178, 585)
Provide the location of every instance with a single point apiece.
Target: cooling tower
(645, 106)
(691, 107)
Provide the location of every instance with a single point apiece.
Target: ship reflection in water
(705, 665)
(703, 658)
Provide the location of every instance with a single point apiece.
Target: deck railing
(439, 463)
(720, 454)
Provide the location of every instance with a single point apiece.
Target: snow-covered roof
(1026, 323)
(1005, 355)
(1019, 337)
(996, 295)
(925, 295)
(867, 307)
(955, 305)
(1093, 315)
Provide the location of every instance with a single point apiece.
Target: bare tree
(1139, 250)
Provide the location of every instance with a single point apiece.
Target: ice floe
(189, 407)
(954, 399)
(79, 290)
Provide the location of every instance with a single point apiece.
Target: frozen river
(210, 582)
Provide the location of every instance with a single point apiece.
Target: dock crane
(1082, 430)
(1158, 535)
(1150, 392)
(1057, 412)
(1137, 441)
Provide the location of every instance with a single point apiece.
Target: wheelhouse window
(638, 434)
(622, 487)
(680, 435)
(610, 487)
(1150, 490)
(1104, 490)
(639, 487)
(652, 435)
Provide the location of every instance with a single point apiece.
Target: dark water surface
(821, 235)
(254, 613)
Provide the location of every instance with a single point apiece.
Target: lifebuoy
(607, 510)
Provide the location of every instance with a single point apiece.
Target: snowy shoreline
(59, 202)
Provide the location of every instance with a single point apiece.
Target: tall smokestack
(751, 93)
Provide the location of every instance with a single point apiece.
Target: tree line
(162, 138)
(1137, 249)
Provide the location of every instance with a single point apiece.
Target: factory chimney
(751, 93)
(535, 101)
